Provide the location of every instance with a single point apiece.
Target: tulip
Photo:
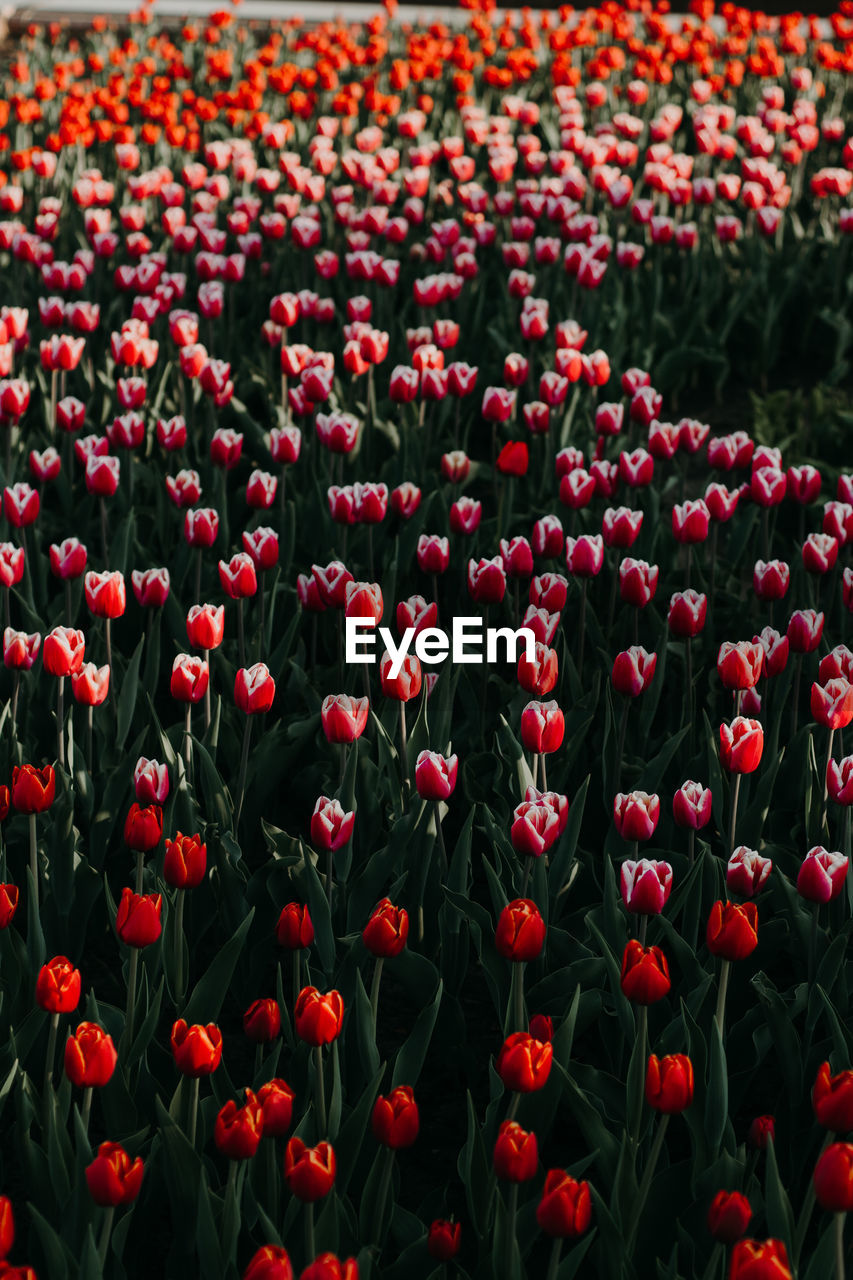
(747, 871)
(669, 1083)
(565, 1209)
(331, 827)
(262, 1021)
(435, 775)
(636, 815)
(822, 875)
(691, 809)
(8, 904)
(516, 1154)
(58, 988)
(633, 671)
(761, 1131)
(32, 792)
(309, 1171)
(832, 1099)
(739, 664)
(759, 1260)
(520, 933)
(197, 1051)
(395, 1121)
(729, 1215)
(524, 1063)
(276, 1099)
(645, 973)
(732, 934)
(270, 1262)
(687, 612)
(535, 828)
(150, 781)
(833, 1178)
(343, 718)
(238, 1129)
(542, 729)
(444, 1239)
(113, 1178)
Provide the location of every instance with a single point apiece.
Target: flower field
(527, 964)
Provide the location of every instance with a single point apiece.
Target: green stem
(193, 1121)
(374, 992)
(310, 1246)
(511, 1215)
(825, 782)
(642, 1038)
(720, 1015)
(714, 1261)
(60, 718)
(646, 1183)
(87, 1107)
(518, 996)
(319, 1092)
(244, 762)
(808, 1207)
(813, 942)
(34, 866)
(554, 1260)
(106, 1230)
(51, 1053)
(839, 1245)
(127, 1036)
(735, 794)
(179, 945)
(382, 1197)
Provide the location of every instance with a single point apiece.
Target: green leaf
(211, 989)
(127, 698)
(410, 1059)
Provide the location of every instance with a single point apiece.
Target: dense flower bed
(337, 969)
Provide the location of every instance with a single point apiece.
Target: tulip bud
(833, 1178)
(113, 1178)
(309, 1171)
(732, 930)
(520, 934)
(395, 1121)
(565, 1209)
(645, 973)
(669, 1083)
(728, 1216)
(318, 1018)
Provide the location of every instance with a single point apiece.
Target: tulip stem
(188, 743)
(60, 718)
(544, 771)
(319, 1092)
(16, 689)
(643, 929)
(104, 545)
(127, 1037)
(106, 1231)
(179, 945)
(582, 627)
(642, 1039)
(50, 1055)
(241, 639)
(297, 974)
(404, 759)
(713, 1261)
(620, 750)
(374, 992)
(207, 694)
(518, 995)
(34, 864)
(795, 701)
(439, 836)
(193, 1121)
(645, 1185)
(554, 1260)
(813, 942)
(808, 1206)
(823, 822)
(197, 593)
(244, 762)
(90, 740)
(310, 1246)
(839, 1245)
(691, 847)
(528, 862)
(720, 1014)
(511, 1216)
(87, 1108)
(382, 1196)
(735, 794)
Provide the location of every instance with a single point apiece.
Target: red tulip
(728, 1216)
(732, 930)
(759, 1260)
(318, 1018)
(395, 1121)
(822, 875)
(565, 1209)
(669, 1083)
(833, 1178)
(58, 986)
(112, 1177)
(386, 931)
(90, 1056)
(645, 973)
(238, 1129)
